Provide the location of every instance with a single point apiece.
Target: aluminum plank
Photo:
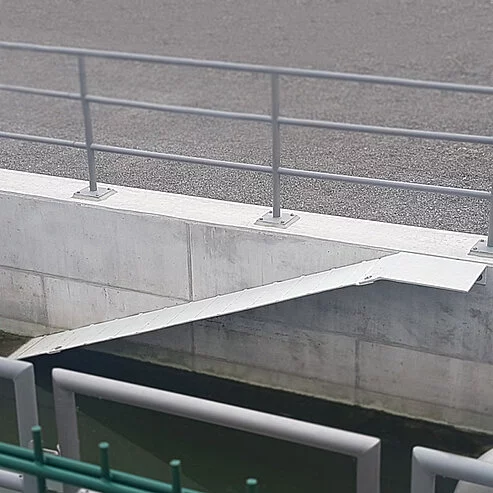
(409, 268)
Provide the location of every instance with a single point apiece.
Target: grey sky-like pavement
(446, 40)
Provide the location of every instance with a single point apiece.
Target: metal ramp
(420, 270)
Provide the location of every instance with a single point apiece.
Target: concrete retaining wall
(66, 263)
(420, 352)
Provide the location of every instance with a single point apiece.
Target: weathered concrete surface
(79, 241)
(229, 259)
(421, 352)
(22, 296)
(86, 302)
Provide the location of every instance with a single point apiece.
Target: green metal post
(88, 476)
(104, 460)
(38, 455)
(251, 485)
(176, 475)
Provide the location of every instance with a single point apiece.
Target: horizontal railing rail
(246, 67)
(274, 119)
(428, 463)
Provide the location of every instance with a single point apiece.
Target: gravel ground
(449, 40)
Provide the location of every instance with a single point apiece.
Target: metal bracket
(482, 278)
(100, 194)
(277, 222)
(481, 249)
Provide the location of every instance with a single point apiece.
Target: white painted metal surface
(465, 487)
(422, 270)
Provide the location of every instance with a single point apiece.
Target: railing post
(86, 111)
(21, 374)
(275, 218)
(422, 480)
(66, 422)
(92, 192)
(490, 226)
(484, 248)
(276, 148)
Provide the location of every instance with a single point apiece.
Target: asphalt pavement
(446, 40)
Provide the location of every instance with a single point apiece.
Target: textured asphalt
(448, 40)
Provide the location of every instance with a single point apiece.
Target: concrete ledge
(383, 236)
(16, 327)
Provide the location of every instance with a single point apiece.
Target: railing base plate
(481, 249)
(100, 194)
(277, 222)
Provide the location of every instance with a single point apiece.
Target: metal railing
(87, 476)
(275, 218)
(365, 449)
(426, 463)
(21, 374)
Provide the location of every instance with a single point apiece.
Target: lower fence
(88, 476)
(39, 466)
(365, 449)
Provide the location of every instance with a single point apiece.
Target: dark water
(216, 459)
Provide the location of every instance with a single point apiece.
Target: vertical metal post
(39, 456)
(368, 470)
(422, 480)
(484, 248)
(275, 218)
(251, 485)
(104, 460)
(93, 186)
(21, 374)
(176, 475)
(25, 403)
(490, 226)
(27, 414)
(276, 149)
(66, 423)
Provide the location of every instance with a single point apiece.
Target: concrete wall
(66, 263)
(421, 352)
(418, 351)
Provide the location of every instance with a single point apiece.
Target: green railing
(88, 476)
